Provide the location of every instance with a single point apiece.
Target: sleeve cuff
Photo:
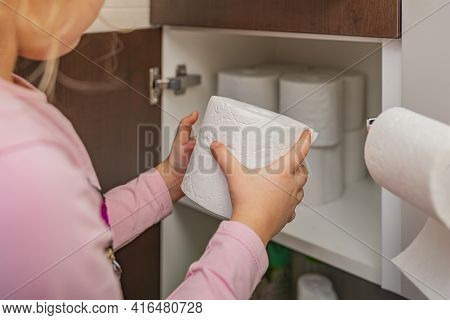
(159, 189)
(250, 240)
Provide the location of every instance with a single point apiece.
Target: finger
(300, 195)
(298, 152)
(189, 147)
(227, 162)
(303, 169)
(185, 127)
(301, 176)
(292, 218)
(192, 142)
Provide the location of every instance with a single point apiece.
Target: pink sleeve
(52, 240)
(231, 267)
(136, 206)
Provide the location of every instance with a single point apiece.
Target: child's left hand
(172, 169)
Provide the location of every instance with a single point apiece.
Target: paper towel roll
(307, 97)
(354, 165)
(315, 287)
(254, 86)
(426, 262)
(255, 136)
(326, 175)
(409, 155)
(354, 96)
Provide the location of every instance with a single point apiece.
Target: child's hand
(265, 199)
(174, 167)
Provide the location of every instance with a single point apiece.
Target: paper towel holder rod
(370, 122)
(178, 84)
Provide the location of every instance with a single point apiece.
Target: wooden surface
(106, 115)
(369, 18)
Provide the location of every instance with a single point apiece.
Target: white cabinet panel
(345, 233)
(391, 217)
(122, 15)
(425, 87)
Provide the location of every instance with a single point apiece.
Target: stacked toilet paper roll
(354, 165)
(313, 286)
(326, 175)
(353, 98)
(409, 155)
(311, 98)
(256, 86)
(354, 101)
(283, 68)
(354, 112)
(255, 136)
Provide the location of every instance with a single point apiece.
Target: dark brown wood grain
(106, 114)
(368, 18)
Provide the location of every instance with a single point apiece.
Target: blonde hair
(50, 74)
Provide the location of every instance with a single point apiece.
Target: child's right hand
(265, 199)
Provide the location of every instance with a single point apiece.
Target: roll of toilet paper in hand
(354, 165)
(326, 175)
(309, 98)
(409, 155)
(255, 136)
(312, 286)
(256, 86)
(353, 98)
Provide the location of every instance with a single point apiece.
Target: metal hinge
(178, 84)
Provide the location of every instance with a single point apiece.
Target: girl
(57, 231)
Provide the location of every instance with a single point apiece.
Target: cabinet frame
(364, 18)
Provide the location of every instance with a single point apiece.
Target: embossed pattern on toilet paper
(256, 137)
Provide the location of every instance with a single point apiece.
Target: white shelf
(206, 52)
(278, 34)
(346, 233)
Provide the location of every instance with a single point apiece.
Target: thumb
(227, 162)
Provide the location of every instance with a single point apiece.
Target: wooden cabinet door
(107, 119)
(367, 18)
(107, 115)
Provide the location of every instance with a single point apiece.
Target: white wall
(426, 82)
(122, 15)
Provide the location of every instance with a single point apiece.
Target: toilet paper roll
(307, 97)
(283, 68)
(254, 86)
(326, 175)
(315, 287)
(426, 262)
(354, 165)
(409, 155)
(354, 96)
(255, 136)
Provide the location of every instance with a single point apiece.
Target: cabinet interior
(345, 233)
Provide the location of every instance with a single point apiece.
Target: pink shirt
(52, 239)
